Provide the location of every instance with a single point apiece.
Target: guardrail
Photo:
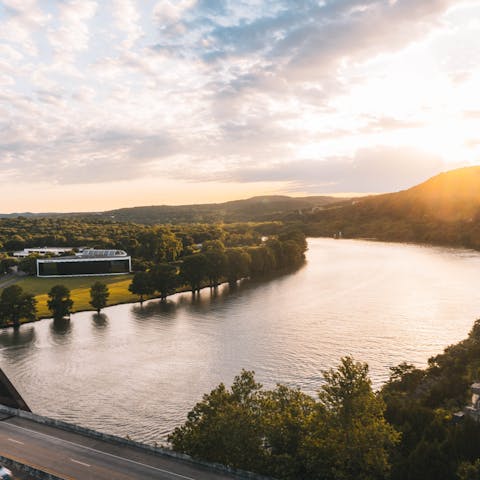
(214, 467)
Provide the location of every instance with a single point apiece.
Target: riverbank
(80, 293)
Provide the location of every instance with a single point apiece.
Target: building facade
(89, 262)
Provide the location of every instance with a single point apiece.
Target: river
(137, 370)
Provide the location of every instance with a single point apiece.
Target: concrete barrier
(214, 467)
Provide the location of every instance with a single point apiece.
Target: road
(7, 280)
(73, 456)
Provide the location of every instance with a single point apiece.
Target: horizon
(122, 103)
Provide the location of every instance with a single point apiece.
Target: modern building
(42, 251)
(88, 262)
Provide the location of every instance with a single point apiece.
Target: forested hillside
(444, 210)
(264, 208)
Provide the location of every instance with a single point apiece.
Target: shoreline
(82, 310)
(155, 297)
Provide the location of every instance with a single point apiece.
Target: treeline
(377, 222)
(147, 244)
(406, 431)
(215, 263)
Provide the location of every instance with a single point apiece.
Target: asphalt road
(73, 456)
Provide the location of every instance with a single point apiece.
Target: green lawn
(80, 290)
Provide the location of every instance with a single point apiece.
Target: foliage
(59, 301)
(237, 265)
(99, 295)
(225, 426)
(285, 433)
(142, 285)
(445, 210)
(420, 404)
(193, 270)
(352, 438)
(15, 304)
(164, 279)
(216, 266)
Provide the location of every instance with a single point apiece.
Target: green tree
(263, 261)
(238, 264)
(213, 246)
(225, 426)
(99, 294)
(15, 304)
(59, 301)
(350, 438)
(286, 420)
(28, 264)
(194, 270)
(164, 279)
(141, 285)
(216, 265)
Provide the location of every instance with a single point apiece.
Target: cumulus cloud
(127, 18)
(236, 90)
(72, 35)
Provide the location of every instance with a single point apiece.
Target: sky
(117, 103)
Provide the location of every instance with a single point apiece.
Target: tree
(141, 285)
(350, 438)
(59, 301)
(99, 294)
(15, 304)
(287, 434)
(28, 264)
(194, 269)
(216, 265)
(238, 264)
(263, 261)
(164, 279)
(224, 427)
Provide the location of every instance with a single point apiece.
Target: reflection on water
(100, 320)
(138, 369)
(17, 337)
(60, 327)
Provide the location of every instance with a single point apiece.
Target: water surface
(138, 371)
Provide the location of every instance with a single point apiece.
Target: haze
(122, 102)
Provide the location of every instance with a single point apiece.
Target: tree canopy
(15, 304)
(290, 435)
(99, 294)
(59, 301)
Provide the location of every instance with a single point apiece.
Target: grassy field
(80, 290)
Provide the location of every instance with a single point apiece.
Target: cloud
(380, 169)
(72, 35)
(85, 156)
(236, 90)
(383, 123)
(127, 18)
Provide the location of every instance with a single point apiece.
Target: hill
(443, 210)
(263, 208)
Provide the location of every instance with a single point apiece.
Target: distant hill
(443, 210)
(262, 208)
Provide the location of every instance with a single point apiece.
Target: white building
(42, 251)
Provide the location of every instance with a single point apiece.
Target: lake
(137, 371)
